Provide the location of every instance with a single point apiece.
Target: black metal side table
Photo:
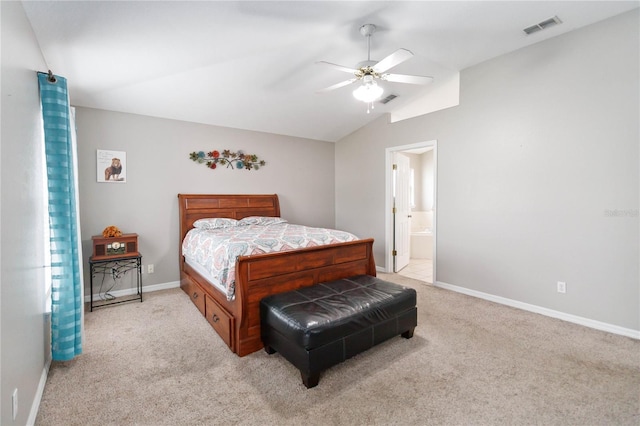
(116, 267)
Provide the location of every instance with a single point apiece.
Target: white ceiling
(251, 65)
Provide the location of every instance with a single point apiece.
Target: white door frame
(388, 215)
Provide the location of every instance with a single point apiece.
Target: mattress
(205, 274)
(213, 250)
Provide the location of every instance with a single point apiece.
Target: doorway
(411, 244)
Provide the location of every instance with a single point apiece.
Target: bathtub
(421, 237)
(421, 244)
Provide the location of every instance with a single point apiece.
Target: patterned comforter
(217, 249)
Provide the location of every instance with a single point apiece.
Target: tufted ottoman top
(316, 315)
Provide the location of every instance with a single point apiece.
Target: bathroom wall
(415, 163)
(427, 178)
(422, 164)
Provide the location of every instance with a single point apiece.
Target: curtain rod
(51, 77)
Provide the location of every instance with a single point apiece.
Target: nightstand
(115, 257)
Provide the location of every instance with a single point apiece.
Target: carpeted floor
(470, 362)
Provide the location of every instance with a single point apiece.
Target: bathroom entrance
(411, 213)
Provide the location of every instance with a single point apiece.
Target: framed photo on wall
(111, 166)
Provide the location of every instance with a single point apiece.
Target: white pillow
(261, 220)
(215, 223)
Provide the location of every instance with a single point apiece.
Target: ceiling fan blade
(339, 67)
(336, 86)
(411, 79)
(396, 58)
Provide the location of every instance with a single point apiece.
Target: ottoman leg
(408, 334)
(310, 380)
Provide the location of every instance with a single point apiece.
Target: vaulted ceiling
(252, 65)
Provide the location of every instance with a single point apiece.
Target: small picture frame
(111, 166)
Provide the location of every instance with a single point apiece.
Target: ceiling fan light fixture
(368, 92)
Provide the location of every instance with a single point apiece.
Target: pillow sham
(215, 223)
(261, 220)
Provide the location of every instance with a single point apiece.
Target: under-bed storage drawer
(219, 320)
(195, 294)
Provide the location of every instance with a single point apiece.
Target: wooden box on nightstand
(114, 247)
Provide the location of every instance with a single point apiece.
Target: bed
(237, 319)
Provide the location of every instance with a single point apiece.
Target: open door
(402, 212)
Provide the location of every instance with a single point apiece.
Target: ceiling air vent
(542, 25)
(387, 99)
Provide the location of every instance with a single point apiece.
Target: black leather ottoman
(322, 325)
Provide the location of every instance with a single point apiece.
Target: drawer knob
(195, 295)
(215, 318)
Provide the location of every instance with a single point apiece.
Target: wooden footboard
(262, 275)
(238, 321)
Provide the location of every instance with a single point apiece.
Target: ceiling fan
(369, 71)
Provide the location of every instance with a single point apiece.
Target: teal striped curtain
(66, 281)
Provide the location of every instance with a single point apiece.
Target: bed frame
(238, 321)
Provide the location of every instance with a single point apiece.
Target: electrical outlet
(150, 268)
(14, 403)
(562, 287)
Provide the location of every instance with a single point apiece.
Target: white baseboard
(132, 291)
(35, 406)
(598, 325)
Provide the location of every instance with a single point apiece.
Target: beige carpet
(470, 362)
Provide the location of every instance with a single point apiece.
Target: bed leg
(310, 380)
(408, 334)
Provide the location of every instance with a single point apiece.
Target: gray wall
(541, 150)
(23, 321)
(300, 171)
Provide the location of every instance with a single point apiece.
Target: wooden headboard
(198, 206)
